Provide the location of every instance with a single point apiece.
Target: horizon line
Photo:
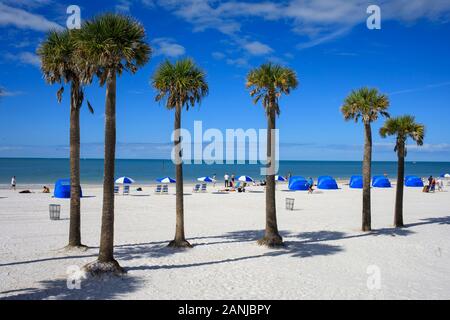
(224, 160)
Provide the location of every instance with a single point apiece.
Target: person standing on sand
(226, 177)
(13, 183)
(232, 180)
(310, 185)
(214, 180)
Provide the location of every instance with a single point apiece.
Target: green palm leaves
(403, 127)
(269, 82)
(367, 104)
(113, 42)
(181, 83)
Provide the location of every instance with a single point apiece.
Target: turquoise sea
(46, 171)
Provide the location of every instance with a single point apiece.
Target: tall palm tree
(61, 63)
(111, 43)
(367, 104)
(268, 83)
(402, 127)
(181, 85)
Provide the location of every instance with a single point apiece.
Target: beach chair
(196, 188)
(204, 186)
(165, 189)
(116, 189)
(126, 190)
(158, 189)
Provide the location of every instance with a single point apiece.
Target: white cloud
(167, 47)
(257, 48)
(239, 62)
(123, 6)
(218, 55)
(24, 58)
(427, 87)
(317, 20)
(6, 93)
(22, 19)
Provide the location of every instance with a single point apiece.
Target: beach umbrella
(166, 180)
(124, 180)
(245, 179)
(205, 179)
(280, 178)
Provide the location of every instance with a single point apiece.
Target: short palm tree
(402, 127)
(181, 85)
(111, 43)
(268, 83)
(60, 63)
(366, 104)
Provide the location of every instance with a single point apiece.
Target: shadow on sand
(297, 245)
(100, 289)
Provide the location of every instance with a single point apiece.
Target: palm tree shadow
(438, 220)
(92, 288)
(294, 248)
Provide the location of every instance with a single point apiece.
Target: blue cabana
(327, 183)
(62, 189)
(413, 181)
(298, 183)
(381, 182)
(323, 178)
(356, 182)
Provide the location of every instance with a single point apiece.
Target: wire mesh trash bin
(55, 210)
(289, 204)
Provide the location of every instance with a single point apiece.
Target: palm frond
(269, 82)
(180, 83)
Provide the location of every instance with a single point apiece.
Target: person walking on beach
(440, 184)
(13, 183)
(310, 185)
(226, 177)
(214, 180)
(232, 180)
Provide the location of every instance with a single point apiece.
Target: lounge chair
(196, 188)
(158, 189)
(126, 190)
(116, 189)
(204, 186)
(165, 189)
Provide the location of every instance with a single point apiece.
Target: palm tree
(268, 83)
(111, 43)
(180, 84)
(368, 105)
(403, 127)
(62, 64)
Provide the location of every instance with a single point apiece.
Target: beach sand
(326, 256)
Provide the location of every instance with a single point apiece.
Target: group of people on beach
(432, 183)
(45, 189)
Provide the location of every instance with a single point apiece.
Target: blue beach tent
(356, 182)
(413, 181)
(321, 178)
(62, 189)
(298, 183)
(381, 182)
(327, 183)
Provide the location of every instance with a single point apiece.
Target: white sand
(326, 254)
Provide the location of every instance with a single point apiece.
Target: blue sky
(326, 42)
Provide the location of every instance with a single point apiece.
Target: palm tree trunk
(271, 237)
(75, 189)
(180, 240)
(398, 218)
(106, 262)
(367, 168)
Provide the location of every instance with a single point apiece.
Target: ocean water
(47, 171)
